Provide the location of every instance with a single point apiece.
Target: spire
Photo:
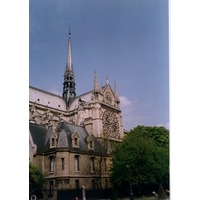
(95, 81)
(107, 81)
(117, 100)
(115, 90)
(69, 66)
(69, 78)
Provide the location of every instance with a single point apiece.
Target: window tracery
(108, 97)
(110, 125)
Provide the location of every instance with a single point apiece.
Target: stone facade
(71, 139)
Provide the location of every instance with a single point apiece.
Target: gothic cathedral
(71, 137)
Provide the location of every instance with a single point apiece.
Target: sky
(128, 41)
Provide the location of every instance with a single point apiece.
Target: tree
(160, 135)
(147, 151)
(36, 181)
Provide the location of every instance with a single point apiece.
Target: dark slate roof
(41, 137)
(65, 130)
(38, 133)
(68, 129)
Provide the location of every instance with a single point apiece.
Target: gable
(108, 95)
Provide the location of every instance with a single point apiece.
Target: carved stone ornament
(108, 97)
(110, 125)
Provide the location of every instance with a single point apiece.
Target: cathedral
(71, 137)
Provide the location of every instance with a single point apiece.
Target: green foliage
(160, 135)
(36, 181)
(147, 151)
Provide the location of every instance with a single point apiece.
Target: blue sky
(126, 40)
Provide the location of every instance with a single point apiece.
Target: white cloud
(125, 102)
(166, 125)
(127, 112)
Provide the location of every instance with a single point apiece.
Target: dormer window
(76, 142)
(75, 139)
(90, 142)
(53, 142)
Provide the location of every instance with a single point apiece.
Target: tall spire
(69, 53)
(95, 81)
(115, 90)
(69, 78)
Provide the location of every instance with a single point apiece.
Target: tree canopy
(36, 181)
(146, 149)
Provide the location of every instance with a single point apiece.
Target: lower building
(75, 162)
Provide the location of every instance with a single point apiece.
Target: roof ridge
(65, 122)
(32, 123)
(45, 91)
